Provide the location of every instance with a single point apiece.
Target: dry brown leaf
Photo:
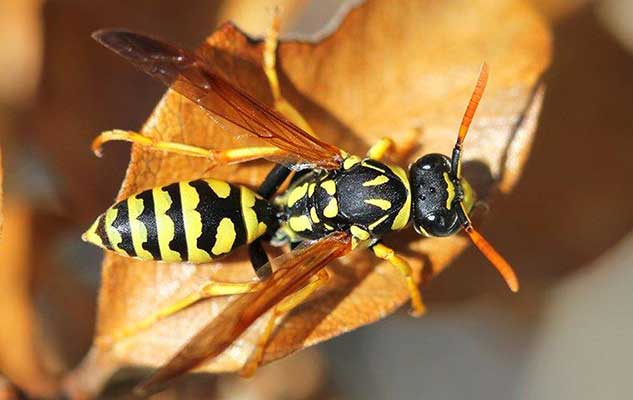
(386, 69)
(20, 360)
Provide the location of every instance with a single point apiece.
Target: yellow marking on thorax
(379, 180)
(402, 218)
(368, 165)
(350, 162)
(311, 188)
(314, 216)
(254, 227)
(297, 194)
(328, 227)
(300, 223)
(331, 210)
(450, 188)
(192, 221)
(113, 234)
(359, 232)
(164, 225)
(139, 232)
(380, 203)
(329, 186)
(374, 224)
(221, 188)
(359, 236)
(224, 237)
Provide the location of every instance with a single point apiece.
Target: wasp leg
(281, 309)
(279, 173)
(379, 150)
(385, 146)
(210, 289)
(273, 181)
(227, 156)
(259, 259)
(388, 254)
(270, 62)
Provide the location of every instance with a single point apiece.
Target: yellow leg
(227, 156)
(210, 289)
(270, 61)
(386, 146)
(281, 309)
(380, 149)
(383, 252)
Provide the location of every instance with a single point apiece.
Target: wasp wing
(189, 75)
(291, 272)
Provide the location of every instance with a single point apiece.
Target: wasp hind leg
(280, 310)
(388, 254)
(210, 289)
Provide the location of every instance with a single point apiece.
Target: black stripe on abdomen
(122, 224)
(213, 209)
(179, 242)
(148, 218)
(101, 232)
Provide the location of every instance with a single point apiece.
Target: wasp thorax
(436, 196)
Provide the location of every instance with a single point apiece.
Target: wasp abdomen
(193, 221)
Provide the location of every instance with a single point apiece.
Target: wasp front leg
(210, 289)
(283, 308)
(388, 254)
(386, 146)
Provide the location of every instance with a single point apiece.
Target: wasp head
(437, 192)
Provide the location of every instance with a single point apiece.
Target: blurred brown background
(565, 227)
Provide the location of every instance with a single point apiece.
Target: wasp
(335, 202)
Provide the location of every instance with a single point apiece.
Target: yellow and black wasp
(334, 203)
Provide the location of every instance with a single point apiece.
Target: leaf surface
(383, 71)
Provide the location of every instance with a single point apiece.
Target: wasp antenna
(504, 268)
(475, 98)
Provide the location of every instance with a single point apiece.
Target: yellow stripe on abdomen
(113, 235)
(137, 229)
(192, 220)
(164, 225)
(254, 227)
